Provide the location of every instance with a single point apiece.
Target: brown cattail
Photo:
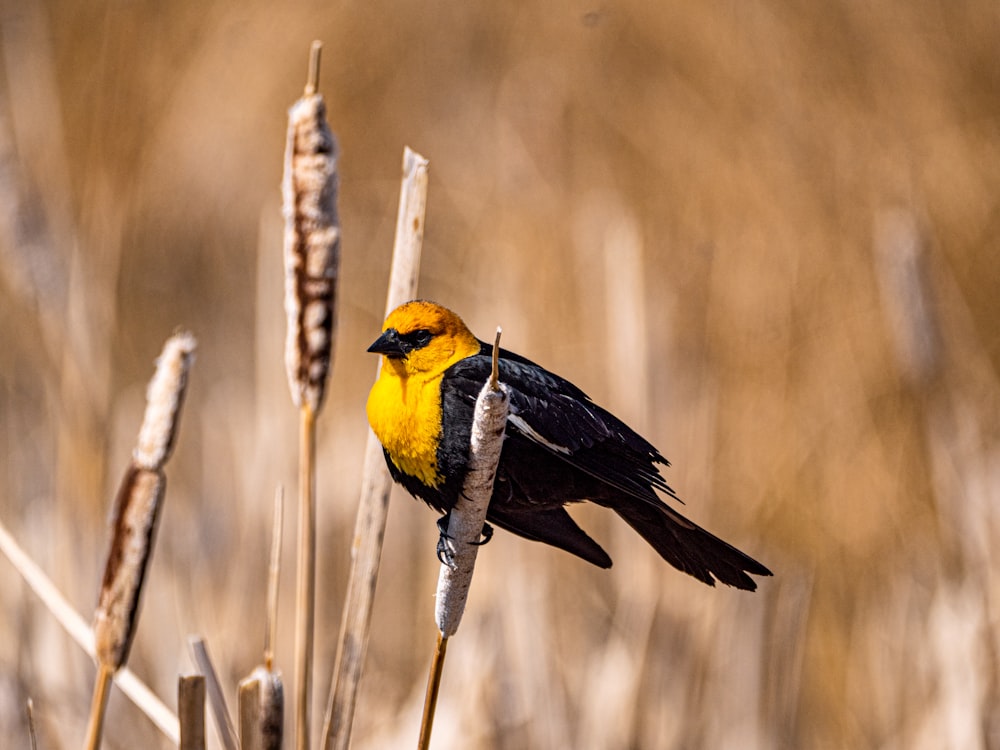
(137, 507)
(312, 245)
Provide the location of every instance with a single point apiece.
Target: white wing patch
(527, 430)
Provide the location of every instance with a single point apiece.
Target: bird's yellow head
(423, 338)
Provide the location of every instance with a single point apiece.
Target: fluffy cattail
(137, 507)
(312, 246)
(465, 522)
(164, 399)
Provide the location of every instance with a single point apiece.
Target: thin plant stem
(305, 602)
(95, 725)
(433, 687)
(273, 577)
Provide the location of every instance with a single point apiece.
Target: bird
(559, 447)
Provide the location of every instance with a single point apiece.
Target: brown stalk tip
(312, 80)
(311, 248)
(495, 374)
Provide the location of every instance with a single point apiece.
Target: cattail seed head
(164, 398)
(137, 506)
(466, 519)
(311, 248)
(137, 510)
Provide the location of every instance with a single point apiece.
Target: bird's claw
(445, 555)
(487, 534)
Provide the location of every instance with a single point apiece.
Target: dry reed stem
(191, 711)
(305, 592)
(262, 706)
(433, 689)
(71, 621)
(369, 529)
(273, 579)
(99, 702)
(216, 698)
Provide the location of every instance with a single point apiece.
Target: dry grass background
(764, 233)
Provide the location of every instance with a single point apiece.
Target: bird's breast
(405, 415)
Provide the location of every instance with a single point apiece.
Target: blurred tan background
(765, 234)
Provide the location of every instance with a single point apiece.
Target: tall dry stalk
(137, 511)
(369, 529)
(262, 693)
(312, 255)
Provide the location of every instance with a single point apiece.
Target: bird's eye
(417, 339)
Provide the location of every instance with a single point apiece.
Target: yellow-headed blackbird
(560, 447)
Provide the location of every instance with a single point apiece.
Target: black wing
(554, 414)
(561, 447)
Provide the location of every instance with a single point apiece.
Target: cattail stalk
(262, 694)
(191, 711)
(312, 255)
(465, 527)
(369, 529)
(29, 713)
(137, 510)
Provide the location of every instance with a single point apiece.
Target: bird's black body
(560, 447)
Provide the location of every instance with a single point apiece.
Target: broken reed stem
(71, 621)
(312, 78)
(433, 688)
(312, 257)
(137, 512)
(191, 711)
(262, 706)
(216, 698)
(369, 529)
(29, 713)
(465, 527)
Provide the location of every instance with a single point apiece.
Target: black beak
(389, 345)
